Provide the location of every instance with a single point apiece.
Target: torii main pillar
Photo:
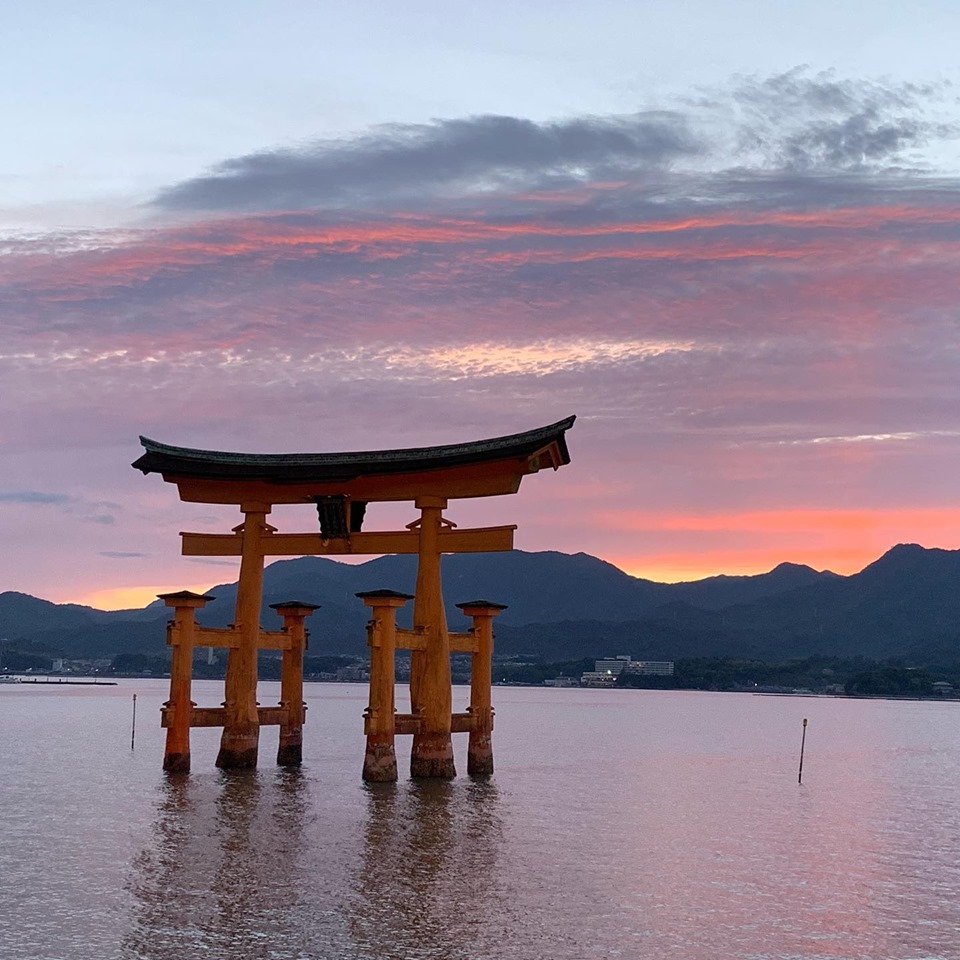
(241, 728)
(430, 694)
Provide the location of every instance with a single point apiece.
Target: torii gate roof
(476, 469)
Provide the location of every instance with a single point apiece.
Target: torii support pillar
(180, 636)
(380, 757)
(294, 612)
(480, 748)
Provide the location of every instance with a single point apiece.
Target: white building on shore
(606, 671)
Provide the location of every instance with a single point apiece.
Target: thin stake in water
(803, 740)
(133, 729)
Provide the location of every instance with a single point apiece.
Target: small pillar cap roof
(294, 603)
(185, 595)
(482, 603)
(383, 595)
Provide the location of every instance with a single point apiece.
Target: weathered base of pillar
(379, 762)
(480, 757)
(290, 753)
(432, 757)
(176, 762)
(238, 750)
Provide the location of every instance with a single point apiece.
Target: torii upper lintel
(480, 468)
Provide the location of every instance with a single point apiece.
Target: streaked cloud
(33, 496)
(527, 359)
(880, 437)
(85, 510)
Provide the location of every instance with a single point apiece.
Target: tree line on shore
(857, 676)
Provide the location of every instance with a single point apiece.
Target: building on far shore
(606, 671)
(592, 678)
(651, 668)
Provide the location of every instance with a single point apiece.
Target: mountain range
(560, 606)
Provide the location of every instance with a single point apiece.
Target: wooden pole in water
(133, 729)
(803, 741)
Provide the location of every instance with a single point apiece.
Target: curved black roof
(325, 467)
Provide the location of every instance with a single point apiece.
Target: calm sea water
(627, 824)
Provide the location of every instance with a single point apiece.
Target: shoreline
(62, 681)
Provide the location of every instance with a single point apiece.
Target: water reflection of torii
(251, 865)
(428, 883)
(222, 872)
(341, 485)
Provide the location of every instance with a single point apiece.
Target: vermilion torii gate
(341, 485)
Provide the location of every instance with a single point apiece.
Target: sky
(725, 235)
